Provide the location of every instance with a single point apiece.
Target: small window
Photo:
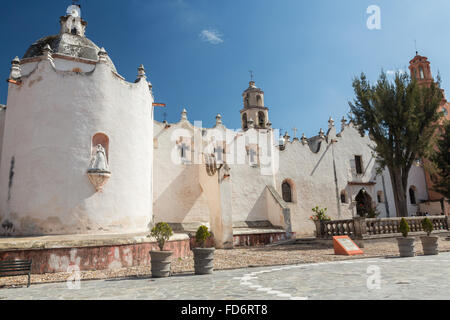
(380, 196)
(287, 191)
(422, 76)
(445, 111)
(343, 197)
(412, 195)
(358, 164)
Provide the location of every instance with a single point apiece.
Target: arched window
(100, 138)
(244, 121)
(287, 191)
(261, 119)
(422, 75)
(412, 195)
(247, 103)
(258, 101)
(343, 196)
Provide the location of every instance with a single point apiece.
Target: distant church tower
(420, 69)
(255, 114)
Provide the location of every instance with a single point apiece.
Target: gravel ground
(238, 258)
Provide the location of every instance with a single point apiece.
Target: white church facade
(81, 153)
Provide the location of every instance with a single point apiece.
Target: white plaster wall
(351, 143)
(249, 202)
(60, 64)
(178, 197)
(416, 178)
(313, 182)
(49, 125)
(67, 65)
(27, 67)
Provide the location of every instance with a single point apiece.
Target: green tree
(401, 118)
(441, 161)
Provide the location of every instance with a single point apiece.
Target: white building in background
(80, 153)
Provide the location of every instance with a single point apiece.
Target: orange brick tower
(419, 67)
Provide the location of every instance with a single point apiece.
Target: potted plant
(160, 260)
(429, 243)
(318, 217)
(203, 257)
(372, 213)
(405, 244)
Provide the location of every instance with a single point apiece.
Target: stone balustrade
(329, 229)
(362, 228)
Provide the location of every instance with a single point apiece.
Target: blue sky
(198, 52)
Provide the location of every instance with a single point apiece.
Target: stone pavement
(422, 277)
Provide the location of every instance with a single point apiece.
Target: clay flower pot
(203, 260)
(160, 261)
(406, 247)
(430, 245)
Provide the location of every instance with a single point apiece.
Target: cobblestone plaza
(421, 277)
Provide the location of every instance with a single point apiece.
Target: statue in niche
(99, 162)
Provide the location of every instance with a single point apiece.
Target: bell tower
(420, 70)
(255, 114)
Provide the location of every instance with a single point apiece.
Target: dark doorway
(363, 203)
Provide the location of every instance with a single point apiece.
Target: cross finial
(415, 47)
(252, 75)
(295, 132)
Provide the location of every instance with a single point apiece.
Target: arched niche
(103, 139)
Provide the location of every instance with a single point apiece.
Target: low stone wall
(249, 238)
(362, 228)
(53, 256)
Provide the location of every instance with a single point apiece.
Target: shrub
(372, 213)
(201, 235)
(320, 214)
(162, 232)
(427, 226)
(404, 227)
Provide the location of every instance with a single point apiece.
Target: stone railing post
(448, 222)
(360, 227)
(318, 224)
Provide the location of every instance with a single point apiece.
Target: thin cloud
(211, 36)
(393, 72)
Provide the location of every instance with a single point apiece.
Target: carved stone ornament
(98, 171)
(211, 164)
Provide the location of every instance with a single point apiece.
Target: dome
(69, 42)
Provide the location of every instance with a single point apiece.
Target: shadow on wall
(259, 210)
(177, 200)
(320, 160)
